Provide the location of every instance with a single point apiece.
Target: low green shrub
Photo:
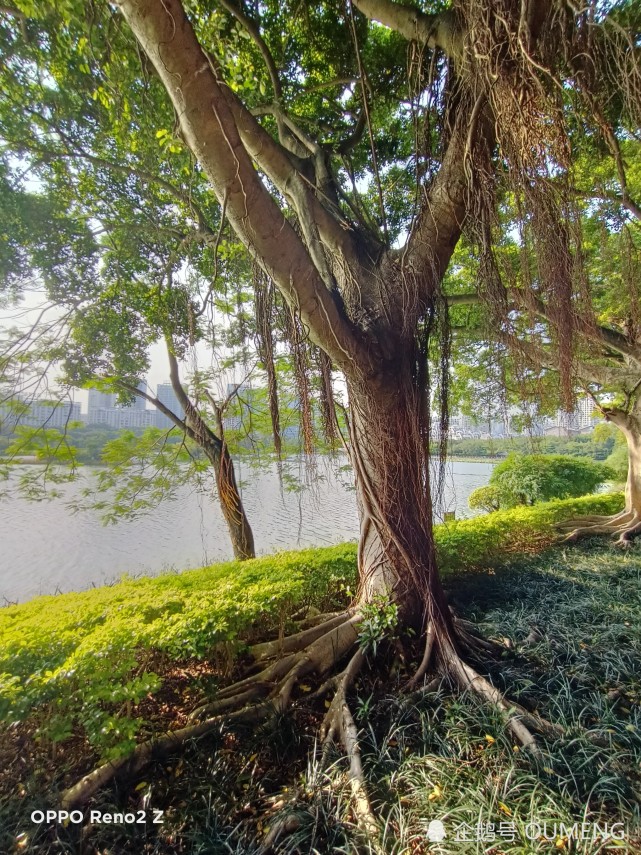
(485, 539)
(524, 479)
(80, 658)
(83, 659)
(487, 498)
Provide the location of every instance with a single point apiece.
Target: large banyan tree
(349, 146)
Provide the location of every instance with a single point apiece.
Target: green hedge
(78, 656)
(486, 538)
(82, 658)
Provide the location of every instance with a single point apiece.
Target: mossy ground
(570, 622)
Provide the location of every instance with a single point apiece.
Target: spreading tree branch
(437, 30)
(597, 333)
(625, 200)
(211, 118)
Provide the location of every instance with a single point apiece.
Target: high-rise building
(56, 414)
(129, 417)
(98, 402)
(167, 396)
(138, 402)
(581, 420)
(103, 409)
(39, 414)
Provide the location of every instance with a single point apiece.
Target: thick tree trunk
(389, 450)
(630, 426)
(633, 482)
(216, 451)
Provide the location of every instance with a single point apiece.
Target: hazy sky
(30, 309)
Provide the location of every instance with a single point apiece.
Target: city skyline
(103, 409)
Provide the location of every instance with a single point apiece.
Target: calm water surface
(44, 548)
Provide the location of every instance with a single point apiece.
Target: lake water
(44, 548)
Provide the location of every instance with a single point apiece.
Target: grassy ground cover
(136, 657)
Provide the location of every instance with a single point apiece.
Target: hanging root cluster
(265, 318)
(527, 66)
(279, 329)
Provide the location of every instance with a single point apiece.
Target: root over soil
(329, 651)
(624, 526)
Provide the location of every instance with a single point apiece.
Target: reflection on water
(45, 548)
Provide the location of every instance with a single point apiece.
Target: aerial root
(339, 722)
(420, 672)
(237, 704)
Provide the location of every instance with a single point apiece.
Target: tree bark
(389, 451)
(216, 451)
(363, 309)
(231, 503)
(629, 423)
(626, 525)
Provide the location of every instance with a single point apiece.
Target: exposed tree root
(471, 641)
(418, 694)
(594, 519)
(295, 643)
(420, 672)
(519, 721)
(281, 828)
(339, 721)
(628, 534)
(319, 649)
(153, 749)
(253, 699)
(625, 526)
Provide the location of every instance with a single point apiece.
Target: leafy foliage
(79, 657)
(597, 445)
(380, 618)
(484, 539)
(487, 498)
(530, 478)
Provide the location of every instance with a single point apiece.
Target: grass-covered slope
(85, 659)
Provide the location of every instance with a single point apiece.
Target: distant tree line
(598, 445)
